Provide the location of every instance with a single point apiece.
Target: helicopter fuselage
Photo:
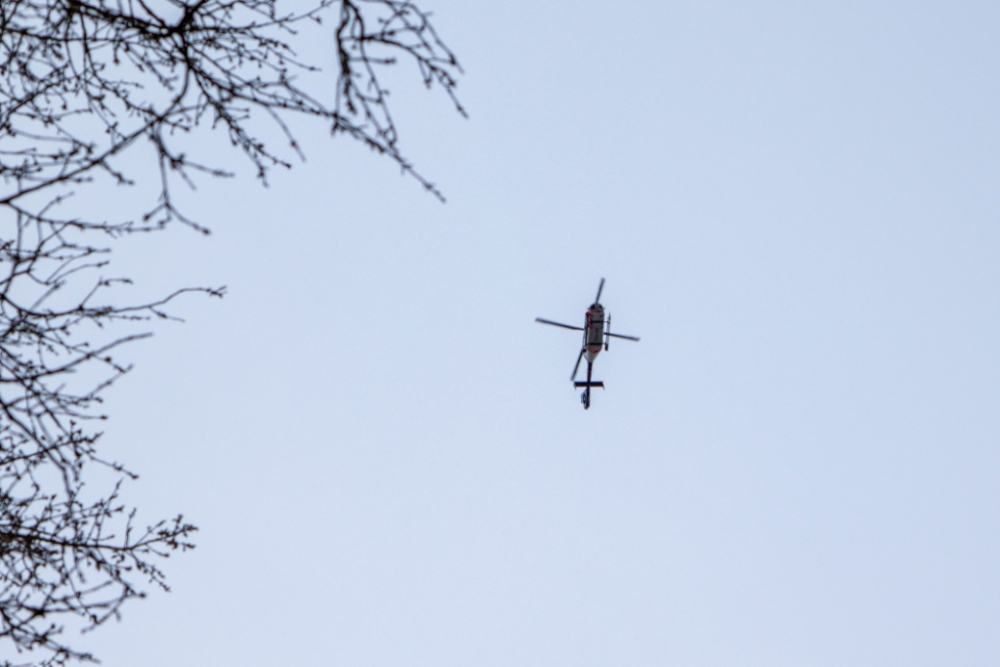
(593, 332)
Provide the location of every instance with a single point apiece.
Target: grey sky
(794, 204)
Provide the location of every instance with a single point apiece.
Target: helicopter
(596, 334)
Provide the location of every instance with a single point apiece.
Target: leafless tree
(82, 83)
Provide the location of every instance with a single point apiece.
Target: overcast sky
(795, 205)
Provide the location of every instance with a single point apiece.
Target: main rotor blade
(558, 324)
(577, 367)
(600, 287)
(635, 338)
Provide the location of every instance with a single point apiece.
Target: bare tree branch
(82, 82)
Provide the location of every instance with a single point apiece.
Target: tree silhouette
(83, 83)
